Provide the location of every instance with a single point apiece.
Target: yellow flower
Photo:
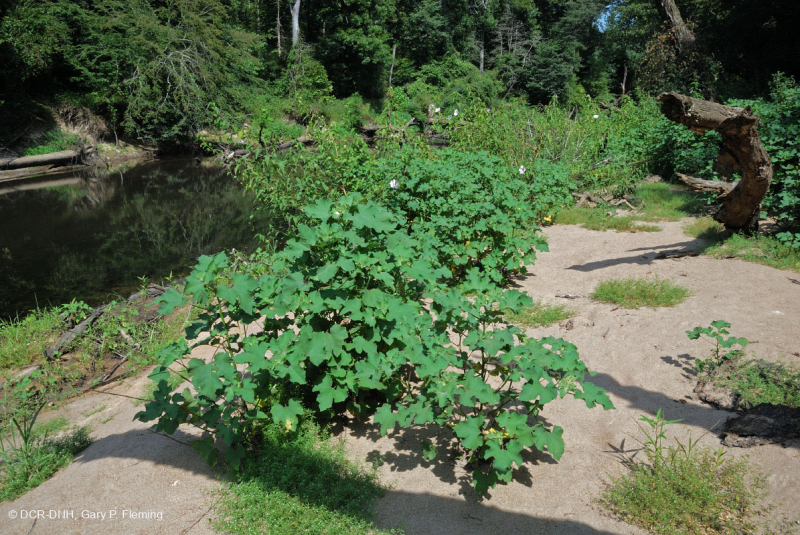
(466, 244)
(548, 219)
(288, 424)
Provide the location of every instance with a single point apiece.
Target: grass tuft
(666, 202)
(22, 341)
(539, 315)
(705, 228)
(690, 496)
(300, 482)
(597, 219)
(659, 202)
(764, 250)
(635, 293)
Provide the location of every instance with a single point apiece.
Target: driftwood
(740, 201)
(110, 372)
(708, 186)
(65, 157)
(302, 140)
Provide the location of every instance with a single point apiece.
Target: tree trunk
(391, 69)
(278, 24)
(482, 42)
(295, 10)
(740, 201)
(672, 16)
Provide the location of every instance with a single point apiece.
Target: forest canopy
(152, 67)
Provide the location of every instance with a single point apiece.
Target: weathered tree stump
(740, 202)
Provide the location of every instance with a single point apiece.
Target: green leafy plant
(715, 333)
(635, 293)
(74, 312)
(467, 207)
(684, 489)
(347, 327)
(54, 141)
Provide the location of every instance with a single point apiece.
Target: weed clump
(684, 489)
(29, 457)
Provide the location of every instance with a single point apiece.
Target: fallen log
(740, 202)
(708, 186)
(66, 339)
(65, 157)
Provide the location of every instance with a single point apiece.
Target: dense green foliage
(149, 67)
(361, 314)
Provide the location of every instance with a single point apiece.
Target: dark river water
(92, 238)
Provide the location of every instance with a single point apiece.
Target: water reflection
(92, 237)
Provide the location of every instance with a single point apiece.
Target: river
(97, 238)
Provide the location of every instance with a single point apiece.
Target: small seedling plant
(724, 348)
(357, 315)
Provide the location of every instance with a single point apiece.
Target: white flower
(336, 214)
(488, 110)
(455, 113)
(595, 116)
(437, 110)
(393, 184)
(522, 169)
(231, 155)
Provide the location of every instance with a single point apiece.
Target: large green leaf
(286, 416)
(329, 394)
(469, 431)
(205, 378)
(549, 441)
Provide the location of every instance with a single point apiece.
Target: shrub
(346, 326)
(284, 183)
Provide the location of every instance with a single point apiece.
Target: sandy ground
(129, 474)
(642, 357)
